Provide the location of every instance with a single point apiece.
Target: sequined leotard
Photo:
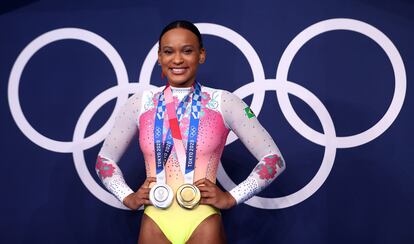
(221, 111)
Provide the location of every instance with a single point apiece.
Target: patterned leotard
(221, 111)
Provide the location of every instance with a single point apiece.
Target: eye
(167, 51)
(188, 51)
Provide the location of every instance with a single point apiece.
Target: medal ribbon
(185, 157)
(162, 154)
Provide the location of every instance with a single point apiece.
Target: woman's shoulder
(142, 100)
(214, 92)
(219, 100)
(148, 98)
(210, 89)
(151, 92)
(221, 95)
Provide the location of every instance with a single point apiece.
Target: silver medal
(161, 195)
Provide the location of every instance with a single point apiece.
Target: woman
(182, 132)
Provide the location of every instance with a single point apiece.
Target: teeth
(178, 70)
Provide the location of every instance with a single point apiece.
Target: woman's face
(179, 55)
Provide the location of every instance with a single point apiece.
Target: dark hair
(185, 25)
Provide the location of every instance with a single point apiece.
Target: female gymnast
(182, 130)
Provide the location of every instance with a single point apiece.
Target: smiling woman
(183, 128)
(180, 52)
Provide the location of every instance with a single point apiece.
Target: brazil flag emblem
(249, 113)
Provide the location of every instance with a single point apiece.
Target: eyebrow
(184, 46)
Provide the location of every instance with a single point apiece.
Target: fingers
(207, 194)
(208, 201)
(141, 197)
(199, 182)
(212, 195)
(148, 181)
(147, 202)
(204, 181)
(139, 204)
(137, 199)
(144, 191)
(208, 189)
(205, 188)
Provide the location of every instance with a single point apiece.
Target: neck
(184, 85)
(180, 87)
(180, 92)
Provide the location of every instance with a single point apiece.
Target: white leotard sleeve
(115, 144)
(239, 118)
(249, 130)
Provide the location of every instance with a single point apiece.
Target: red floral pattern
(104, 169)
(267, 170)
(205, 98)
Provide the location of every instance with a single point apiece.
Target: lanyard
(173, 137)
(162, 154)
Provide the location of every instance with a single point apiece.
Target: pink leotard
(221, 111)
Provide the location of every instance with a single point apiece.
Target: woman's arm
(241, 120)
(115, 144)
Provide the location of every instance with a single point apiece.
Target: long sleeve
(117, 141)
(241, 120)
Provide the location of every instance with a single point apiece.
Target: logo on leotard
(249, 113)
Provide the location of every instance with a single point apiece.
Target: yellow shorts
(178, 223)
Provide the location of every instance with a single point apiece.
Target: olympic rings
(383, 41)
(257, 87)
(24, 57)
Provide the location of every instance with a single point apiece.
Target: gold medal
(188, 196)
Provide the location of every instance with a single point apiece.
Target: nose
(177, 59)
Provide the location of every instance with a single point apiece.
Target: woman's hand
(137, 199)
(212, 195)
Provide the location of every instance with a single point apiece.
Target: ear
(159, 57)
(202, 58)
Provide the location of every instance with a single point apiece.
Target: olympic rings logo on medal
(257, 87)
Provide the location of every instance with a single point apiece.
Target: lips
(178, 71)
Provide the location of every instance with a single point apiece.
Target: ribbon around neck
(186, 157)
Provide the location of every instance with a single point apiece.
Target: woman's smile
(179, 56)
(178, 71)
